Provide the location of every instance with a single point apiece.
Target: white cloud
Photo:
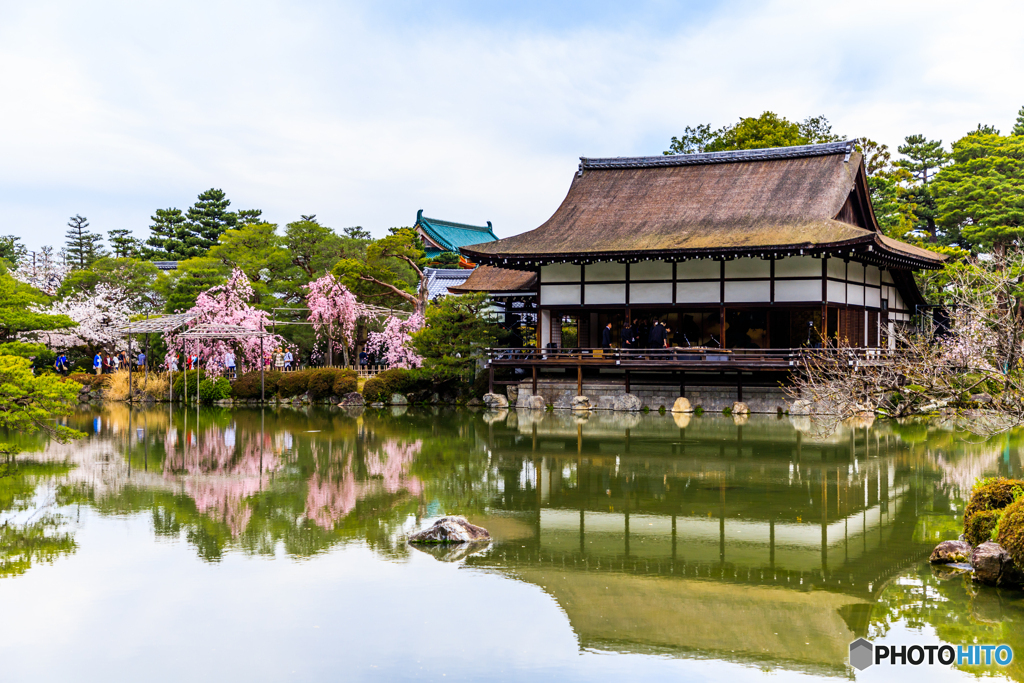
(362, 117)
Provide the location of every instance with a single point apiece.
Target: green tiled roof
(451, 235)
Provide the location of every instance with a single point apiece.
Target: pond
(268, 545)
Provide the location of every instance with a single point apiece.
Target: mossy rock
(978, 527)
(1011, 532)
(991, 494)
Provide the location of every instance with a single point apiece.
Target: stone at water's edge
(536, 403)
(580, 403)
(495, 401)
(993, 566)
(951, 551)
(682, 405)
(801, 407)
(627, 403)
(740, 408)
(399, 400)
(513, 393)
(351, 400)
(452, 529)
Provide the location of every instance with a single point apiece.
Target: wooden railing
(676, 356)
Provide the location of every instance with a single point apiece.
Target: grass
(116, 386)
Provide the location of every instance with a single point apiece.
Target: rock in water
(627, 403)
(536, 403)
(451, 530)
(682, 405)
(740, 408)
(495, 401)
(352, 400)
(951, 551)
(992, 564)
(580, 403)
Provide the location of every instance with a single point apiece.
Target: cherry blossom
(333, 310)
(99, 316)
(394, 344)
(227, 304)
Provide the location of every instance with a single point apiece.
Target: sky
(363, 113)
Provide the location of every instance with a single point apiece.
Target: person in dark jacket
(627, 336)
(606, 336)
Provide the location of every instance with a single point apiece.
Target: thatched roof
(491, 279)
(812, 197)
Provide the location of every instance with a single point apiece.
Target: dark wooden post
(534, 380)
(579, 380)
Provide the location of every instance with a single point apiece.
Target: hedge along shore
(309, 386)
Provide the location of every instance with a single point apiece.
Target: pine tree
(1018, 127)
(82, 247)
(123, 243)
(208, 219)
(924, 159)
(249, 216)
(167, 236)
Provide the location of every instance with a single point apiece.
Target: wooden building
(753, 249)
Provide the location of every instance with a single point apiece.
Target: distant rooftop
(450, 236)
(440, 279)
(701, 158)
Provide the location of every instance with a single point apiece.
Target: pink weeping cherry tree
(333, 311)
(394, 344)
(227, 304)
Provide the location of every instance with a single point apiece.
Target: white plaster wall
(798, 266)
(872, 276)
(836, 292)
(606, 294)
(698, 270)
(855, 272)
(650, 270)
(887, 277)
(855, 294)
(697, 292)
(872, 297)
(798, 290)
(748, 267)
(545, 328)
(551, 295)
(606, 270)
(837, 268)
(752, 291)
(560, 272)
(650, 293)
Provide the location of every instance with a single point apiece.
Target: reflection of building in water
(710, 538)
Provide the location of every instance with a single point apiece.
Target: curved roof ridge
(797, 151)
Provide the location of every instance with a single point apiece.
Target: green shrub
(193, 377)
(380, 387)
(211, 390)
(293, 384)
(248, 385)
(978, 527)
(345, 382)
(991, 494)
(1011, 532)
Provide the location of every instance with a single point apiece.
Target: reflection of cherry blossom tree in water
(328, 501)
(220, 476)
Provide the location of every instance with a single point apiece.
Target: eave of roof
(491, 279)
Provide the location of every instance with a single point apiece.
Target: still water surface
(269, 546)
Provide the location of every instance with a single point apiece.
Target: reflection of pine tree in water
(327, 500)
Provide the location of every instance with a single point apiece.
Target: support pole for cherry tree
(129, 355)
(263, 396)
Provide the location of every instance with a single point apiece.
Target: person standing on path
(97, 364)
(279, 360)
(142, 361)
(229, 363)
(288, 358)
(606, 336)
